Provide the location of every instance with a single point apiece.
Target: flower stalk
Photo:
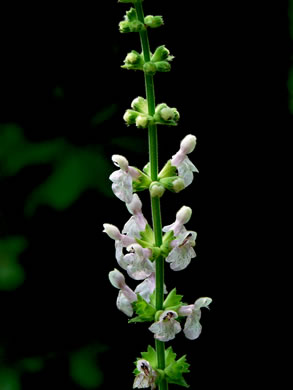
(149, 247)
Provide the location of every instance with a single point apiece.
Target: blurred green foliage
(84, 368)
(74, 169)
(9, 379)
(11, 272)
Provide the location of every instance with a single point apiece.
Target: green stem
(155, 202)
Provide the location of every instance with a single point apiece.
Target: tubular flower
(136, 263)
(182, 252)
(167, 327)
(126, 296)
(122, 178)
(137, 222)
(146, 377)
(180, 160)
(192, 327)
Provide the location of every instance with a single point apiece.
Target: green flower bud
(156, 189)
(140, 104)
(124, 26)
(163, 66)
(173, 183)
(133, 60)
(167, 113)
(130, 116)
(142, 121)
(153, 21)
(150, 68)
(161, 54)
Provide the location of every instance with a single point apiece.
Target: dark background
(61, 80)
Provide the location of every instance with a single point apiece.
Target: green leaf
(9, 379)
(131, 15)
(167, 239)
(172, 299)
(84, 367)
(148, 235)
(145, 311)
(153, 298)
(151, 357)
(147, 169)
(11, 272)
(142, 182)
(167, 171)
(175, 369)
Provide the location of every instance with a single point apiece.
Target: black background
(228, 81)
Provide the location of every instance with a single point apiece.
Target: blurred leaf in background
(75, 169)
(84, 368)
(11, 272)
(9, 379)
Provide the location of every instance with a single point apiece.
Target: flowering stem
(155, 202)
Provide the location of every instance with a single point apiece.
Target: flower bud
(161, 54)
(167, 114)
(140, 104)
(124, 27)
(156, 189)
(130, 116)
(178, 185)
(188, 144)
(150, 68)
(184, 215)
(120, 161)
(153, 21)
(174, 184)
(112, 231)
(141, 121)
(131, 57)
(117, 279)
(163, 66)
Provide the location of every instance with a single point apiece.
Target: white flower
(180, 160)
(147, 287)
(126, 296)
(167, 327)
(122, 179)
(182, 252)
(192, 327)
(182, 217)
(146, 377)
(137, 222)
(136, 263)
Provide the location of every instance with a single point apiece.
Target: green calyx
(138, 115)
(142, 182)
(134, 61)
(174, 370)
(153, 21)
(131, 22)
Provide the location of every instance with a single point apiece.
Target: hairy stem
(155, 202)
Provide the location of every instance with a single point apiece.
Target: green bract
(174, 370)
(153, 21)
(131, 22)
(145, 311)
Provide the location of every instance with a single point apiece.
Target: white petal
(135, 205)
(185, 170)
(141, 382)
(117, 279)
(122, 185)
(146, 288)
(180, 257)
(192, 327)
(202, 302)
(124, 305)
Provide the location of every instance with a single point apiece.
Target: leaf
(148, 235)
(84, 368)
(167, 171)
(9, 379)
(145, 311)
(172, 299)
(151, 357)
(11, 272)
(175, 369)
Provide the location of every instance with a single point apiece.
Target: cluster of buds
(159, 62)
(139, 115)
(132, 24)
